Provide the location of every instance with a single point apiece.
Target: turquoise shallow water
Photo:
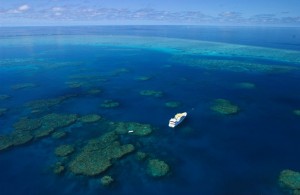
(209, 153)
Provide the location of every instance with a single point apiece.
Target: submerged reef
(45, 104)
(143, 78)
(4, 97)
(151, 93)
(157, 168)
(141, 156)
(225, 107)
(296, 112)
(90, 118)
(5, 142)
(76, 84)
(56, 121)
(94, 91)
(133, 128)
(43, 132)
(20, 137)
(59, 134)
(27, 124)
(290, 181)
(245, 85)
(172, 104)
(27, 129)
(58, 168)
(64, 150)
(98, 155)
(23, 86)
(119, 71)
(106, 180)
(2, 111)
(231, 65)
(110, 104)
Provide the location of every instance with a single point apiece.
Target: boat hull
(176, 121)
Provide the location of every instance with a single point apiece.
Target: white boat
(179, 117)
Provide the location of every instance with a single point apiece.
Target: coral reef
(141, 156)
(143, 78)
(110, 104)
(45, 104)
(75, 84)
(56, 121)
(64, 150)
(59, 134)
(90, 118)
(157, 168)
(94, 91)
(119, 71)
(151, 93)
(42, 132)
(27, 129)
(5, 142)
(245, 85)
(21, 137)
(26, 124)
(135, 128)
(296, 112)
(45, 125)
(231, 65)
(106, 180)
(225, 107)
(4, 97)
(290, 180)
(23, 86)
(173, 104)
(97, 155)
(2, 111)
(58, 168)
(22, 134)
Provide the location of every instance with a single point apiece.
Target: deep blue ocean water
(208, 153)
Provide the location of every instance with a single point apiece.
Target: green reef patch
(20, 137)
(27, 124)
(225, 107)
(141, 156)
(5, 142)
(173, 104)
(106, 180)
(90, 118)
(3, 111)
(157, 168)
(43, 132)
(143, 78)
(245, 85)
(231, 65)
(98, 155)
(27, 129)
(75, 84)
(153, 93)
(56, 121)
(297, 112)
(58, 168)
(59, 134)
(94, 91)
(290, 181)
(23, 86)
(110, 104)
(4, 97)
(45, 104)
(64, 150)
(132, 128)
